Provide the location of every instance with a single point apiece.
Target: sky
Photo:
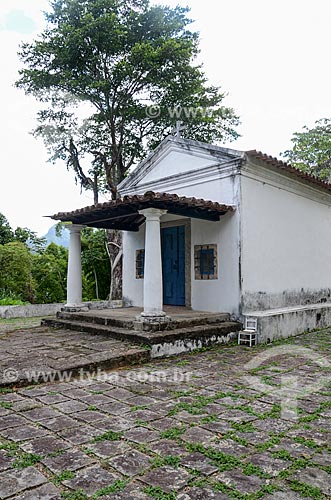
(271, 58)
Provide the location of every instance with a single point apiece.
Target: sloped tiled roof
(123, 213)
(286, 167)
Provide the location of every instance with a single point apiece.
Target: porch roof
(123, 213)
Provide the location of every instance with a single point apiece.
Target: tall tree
(6, 232)
(115, 76)
(311, 150)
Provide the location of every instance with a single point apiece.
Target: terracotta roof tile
(289, 168)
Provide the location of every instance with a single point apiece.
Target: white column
(153, 286)
(74, 277)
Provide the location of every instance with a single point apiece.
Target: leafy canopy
(311, 150)
(100, 67)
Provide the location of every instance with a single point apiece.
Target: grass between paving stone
(306, 490)
(26, 460)
(157, 493)
(80, 494)
(6, 406)
(63, 476)
(173, 433)
(108, 436)
(161, 461)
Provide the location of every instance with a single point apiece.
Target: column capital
(74, 228)
(153, 213)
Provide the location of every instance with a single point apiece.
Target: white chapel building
(219, 230)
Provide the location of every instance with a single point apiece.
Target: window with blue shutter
(205, 262)
(140, 263)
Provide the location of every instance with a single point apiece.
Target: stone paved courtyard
(191, 427)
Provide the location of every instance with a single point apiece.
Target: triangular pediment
(177, 157)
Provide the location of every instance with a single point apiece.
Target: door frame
(187, 224)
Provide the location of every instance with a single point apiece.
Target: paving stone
(115, 408)
(296, 450)
(202, 494)
(218, 426)
(199, 462)
(273, 425)
(107, 449)
(10, 421)
(45, 445)
(26, 404)
(141, 435)
(237, 416)
(167, 447)
(6, 460)
(187, 418)
(70, 406)
(69, 460)
(315, 477)
(22, 433)
(44, 492)
(4, 412)
(91, 479)
(50, 399)
(142, 415)
(79, 435)
(142, 401)
(230, 447)
(88, 416)
(16, 481)
(62, 422)
(236, 479)
(132, 492)
(130, 463)
(199, 435)
(322, 458)
(166, 478)
(120, 394)
(42, 413)
(268, 463)
(283, 495)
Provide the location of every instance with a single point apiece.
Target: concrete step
(99, 319)
(161, 343)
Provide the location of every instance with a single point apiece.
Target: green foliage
(119, 58)
(16, 271)
(49, 272)
(95, 263)
(311, 150)
(31, 273)
(9, 299)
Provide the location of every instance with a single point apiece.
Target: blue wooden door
(173, 265)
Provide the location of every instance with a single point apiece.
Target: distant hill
(62, 240)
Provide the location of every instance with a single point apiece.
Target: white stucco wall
(132, 287)
(221, 294)
(286, 241)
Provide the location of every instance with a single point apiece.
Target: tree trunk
(96, 284)
(115, 252)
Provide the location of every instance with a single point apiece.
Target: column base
(152, 321)
(75, 308)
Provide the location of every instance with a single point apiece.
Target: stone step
(161, 343)
(106, 320)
